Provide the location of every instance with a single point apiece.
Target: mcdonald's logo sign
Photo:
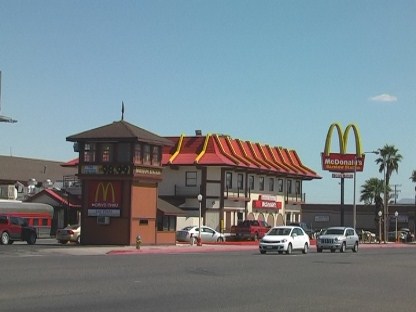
(102, 191)
(105, 195)
(342, 161)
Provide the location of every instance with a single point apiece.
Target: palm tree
(371, 192)
(389, 160)
(413, 177)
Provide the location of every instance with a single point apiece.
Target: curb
(224, 247)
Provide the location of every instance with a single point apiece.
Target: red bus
(38, 215)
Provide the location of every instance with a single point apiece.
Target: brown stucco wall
(143, 213)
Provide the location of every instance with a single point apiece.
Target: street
(374, 279)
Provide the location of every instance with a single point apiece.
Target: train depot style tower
(120, 166)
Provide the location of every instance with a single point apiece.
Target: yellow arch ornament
(343, 139)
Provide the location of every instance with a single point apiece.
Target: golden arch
(343, 139)
(101, 189)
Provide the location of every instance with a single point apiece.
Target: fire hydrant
(138, 241)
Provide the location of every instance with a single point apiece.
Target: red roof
(225, 151)
(221, 150)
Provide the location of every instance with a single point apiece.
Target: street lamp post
(396, 214)
(386, 213)
(379, 226)
(199, 243)
(354, 210)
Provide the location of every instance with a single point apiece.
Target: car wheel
(318, 249)
(220, 240)
(289, 249)
(32, 239)
(5, 238)
(305, 248)
(355, 248)
(262, 252)
(342, 249)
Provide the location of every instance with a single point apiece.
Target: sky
(273, 72)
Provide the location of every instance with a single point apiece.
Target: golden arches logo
(103, 189)
(343, 139)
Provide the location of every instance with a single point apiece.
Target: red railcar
(38, 215)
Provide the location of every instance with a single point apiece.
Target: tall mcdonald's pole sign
(342, 162)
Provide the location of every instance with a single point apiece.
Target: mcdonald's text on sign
(266, 204)
(342, 162)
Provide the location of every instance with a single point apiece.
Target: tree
(389, 160)
(371, 192)
(413, 177)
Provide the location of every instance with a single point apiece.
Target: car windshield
(280, 231)
(335, 231)
(188, 228)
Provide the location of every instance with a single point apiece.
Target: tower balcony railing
(237, 194)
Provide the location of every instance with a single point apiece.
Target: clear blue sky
(274, 72)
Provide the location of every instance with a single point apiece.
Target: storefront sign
(104, 198)
(266, 204)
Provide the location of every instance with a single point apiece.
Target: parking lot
(48, 276)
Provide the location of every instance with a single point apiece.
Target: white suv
(341, 238)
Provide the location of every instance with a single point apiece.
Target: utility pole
(396, 191)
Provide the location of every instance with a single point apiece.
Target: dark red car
(16, 229)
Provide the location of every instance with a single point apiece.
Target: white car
(285, 239)
(190, 233)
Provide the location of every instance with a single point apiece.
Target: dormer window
(146, 154)
(156, 156)
(89, 152)
(107, 152)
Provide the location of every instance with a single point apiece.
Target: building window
(298, 188)
(229, 180)
(137, 153)
(271, 184)
(240, 181)
(89, 152)
(146, 154)
(190, 178)
(280, 185)
(107, 152)
(166, 223)
(251, 182)
(156, 156)
(123, 152)
(289, 186)
(261, 184)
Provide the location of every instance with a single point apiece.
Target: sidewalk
(187, 248)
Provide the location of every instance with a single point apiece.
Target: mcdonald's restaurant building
(120, 167)
(126, 194)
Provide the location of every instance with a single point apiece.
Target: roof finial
(122, 110)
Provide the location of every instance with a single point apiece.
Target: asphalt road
(374, 279)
